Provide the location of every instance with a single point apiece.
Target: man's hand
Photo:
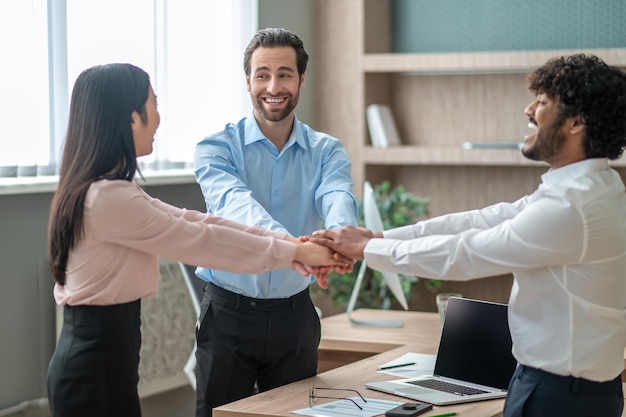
(319, 272)
(348, 241)
(300, 268)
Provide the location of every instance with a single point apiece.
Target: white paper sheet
(424, 365)
(344, 408)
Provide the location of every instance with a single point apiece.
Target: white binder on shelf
(374, 222)
(382, 127)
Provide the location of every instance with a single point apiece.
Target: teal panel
(506, 25)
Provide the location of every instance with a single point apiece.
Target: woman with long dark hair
(105, 234)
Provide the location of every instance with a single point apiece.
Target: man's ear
(577, 125)
(248, 84)
(302, 77)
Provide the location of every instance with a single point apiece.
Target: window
(192, 49)
(24, 116)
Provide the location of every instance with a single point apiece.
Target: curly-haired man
(565, 245)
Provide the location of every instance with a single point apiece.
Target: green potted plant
(397, 207)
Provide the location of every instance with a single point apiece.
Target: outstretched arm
(225, 188)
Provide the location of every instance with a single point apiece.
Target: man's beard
(277, 115)
(548, 143)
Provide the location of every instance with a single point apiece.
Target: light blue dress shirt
(305, 186)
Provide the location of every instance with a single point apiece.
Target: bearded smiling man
(273, 171)
(565, 245)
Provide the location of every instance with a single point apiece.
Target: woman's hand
(309, 253)
(317, 260)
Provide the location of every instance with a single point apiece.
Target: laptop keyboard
(447, 387)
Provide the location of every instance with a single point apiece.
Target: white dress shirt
(565, 245)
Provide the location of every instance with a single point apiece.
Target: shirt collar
(569, 171)
(253, 132)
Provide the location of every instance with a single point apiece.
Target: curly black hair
(587, 87)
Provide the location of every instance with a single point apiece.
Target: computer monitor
(374, 222)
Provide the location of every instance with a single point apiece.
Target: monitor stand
(352, 302)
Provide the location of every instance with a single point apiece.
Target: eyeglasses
(314, 396)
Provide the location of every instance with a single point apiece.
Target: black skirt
(94, 370)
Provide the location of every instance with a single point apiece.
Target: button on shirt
(565, 245)
(305, 186)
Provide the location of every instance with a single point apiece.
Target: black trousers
(242, 341)
(536, 393)
(94, 369)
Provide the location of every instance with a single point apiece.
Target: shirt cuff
(376, 253)
(401, 233)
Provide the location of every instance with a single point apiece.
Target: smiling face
(274, 83)
(549, 138)
(145, 128)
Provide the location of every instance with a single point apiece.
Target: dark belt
(235, 300)
(99, 313)
(575, 385)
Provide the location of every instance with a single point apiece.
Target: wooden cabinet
(439, 101)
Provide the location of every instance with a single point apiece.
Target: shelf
(451, 155)
(478, 62)
(484, 92)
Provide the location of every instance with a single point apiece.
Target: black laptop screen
(475, 344)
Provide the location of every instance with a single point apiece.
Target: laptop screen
(475, 344)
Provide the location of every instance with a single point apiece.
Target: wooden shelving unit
(439, 101)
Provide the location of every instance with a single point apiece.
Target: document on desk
(409, 365)
(346, 408)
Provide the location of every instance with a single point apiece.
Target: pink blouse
(125, 230)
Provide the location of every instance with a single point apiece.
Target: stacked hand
(339, 248)
(349, 241)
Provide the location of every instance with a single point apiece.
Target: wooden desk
(343, 343)
(349, 356)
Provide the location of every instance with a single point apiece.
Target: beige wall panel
(458, 188)
(452, 109)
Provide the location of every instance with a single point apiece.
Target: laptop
(474, 361)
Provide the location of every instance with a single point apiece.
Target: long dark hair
(98, 144)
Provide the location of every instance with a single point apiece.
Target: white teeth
(274, 100)
(532, 126)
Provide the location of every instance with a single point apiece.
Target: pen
(382, 368)
(445, 414)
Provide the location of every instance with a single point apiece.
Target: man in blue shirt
(273, 171)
